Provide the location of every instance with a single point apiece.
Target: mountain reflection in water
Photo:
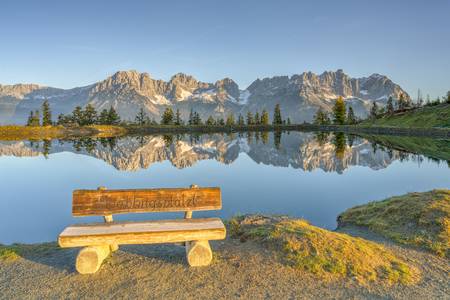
(331, 152)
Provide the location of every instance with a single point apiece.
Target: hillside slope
(425, 117)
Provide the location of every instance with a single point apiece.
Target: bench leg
(198, 253)
(90, 258)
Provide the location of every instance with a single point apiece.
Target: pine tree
(265, 117)
(103, 119)
(230, 120)
(46, 114)
(220, 122)
(257, 120)
(113, 117)
(178, 120)
(37, 118)
(339, 111)
(210, 121)
(289, 121)
(249, 118)
(141, 117)
(241, 121)
(448, 97)
(191, 117)
(30, 119)
(321, 118)
(197, 119)
(167, 117)
(390, 106)
(78, 115)
(351, 119)
(277, 119)
(374, 111)
(89, 115)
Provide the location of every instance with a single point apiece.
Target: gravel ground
(239, 270)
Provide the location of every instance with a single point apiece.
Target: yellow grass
(325, 253)
(419, 219)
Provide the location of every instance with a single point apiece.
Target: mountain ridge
(300, 95)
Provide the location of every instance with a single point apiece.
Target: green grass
(434, 148)
(425, 117)
(322, 252)
(419, 219)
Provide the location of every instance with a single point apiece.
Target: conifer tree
(390, 106)
(178, 120)
(89, 115)
(103, 119)
(113, 117)
(241, 121)
(257, 120)
(289, 121)
(191, 117)
(265, 117)
(321, 118)
(141, 117)
(230, 120)
(220, 122)
(249, 118)
(351, 118)
(374, 111)
(210, 121)
(30, 119)
(167, 117)
(37, 118)
(46, 114)
(77, 115)
(277, 119)
(339, 111)
(448, 97)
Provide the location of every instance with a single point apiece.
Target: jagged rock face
(296, 150)
(128, 91)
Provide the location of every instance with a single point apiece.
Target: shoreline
(15, 132)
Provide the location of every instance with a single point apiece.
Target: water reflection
(331, 152)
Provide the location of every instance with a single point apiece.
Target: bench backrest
(103, 202)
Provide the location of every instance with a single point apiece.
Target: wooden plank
(149, 232)
(107, 202)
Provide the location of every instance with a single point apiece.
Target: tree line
(78, 117)
(89, 116)
(171, 118)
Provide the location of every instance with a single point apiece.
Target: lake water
(310, 175)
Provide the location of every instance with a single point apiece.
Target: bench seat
(147, 232)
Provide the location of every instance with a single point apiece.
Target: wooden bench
(100, 239)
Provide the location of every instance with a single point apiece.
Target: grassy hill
(424, 117)
(420, 219)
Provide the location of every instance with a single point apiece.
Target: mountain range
(299, 96)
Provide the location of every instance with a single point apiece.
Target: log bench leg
(90, 258)
(198, 253)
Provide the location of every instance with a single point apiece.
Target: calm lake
(315, 176)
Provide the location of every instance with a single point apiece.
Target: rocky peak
(227, 85)
(18, 90)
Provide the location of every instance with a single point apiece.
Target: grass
(16, 132)
(16, 251)
(322, 252)
(418, 219)
(424, 117)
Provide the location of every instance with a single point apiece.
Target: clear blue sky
(74, 43)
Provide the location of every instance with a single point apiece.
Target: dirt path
(240, 270)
